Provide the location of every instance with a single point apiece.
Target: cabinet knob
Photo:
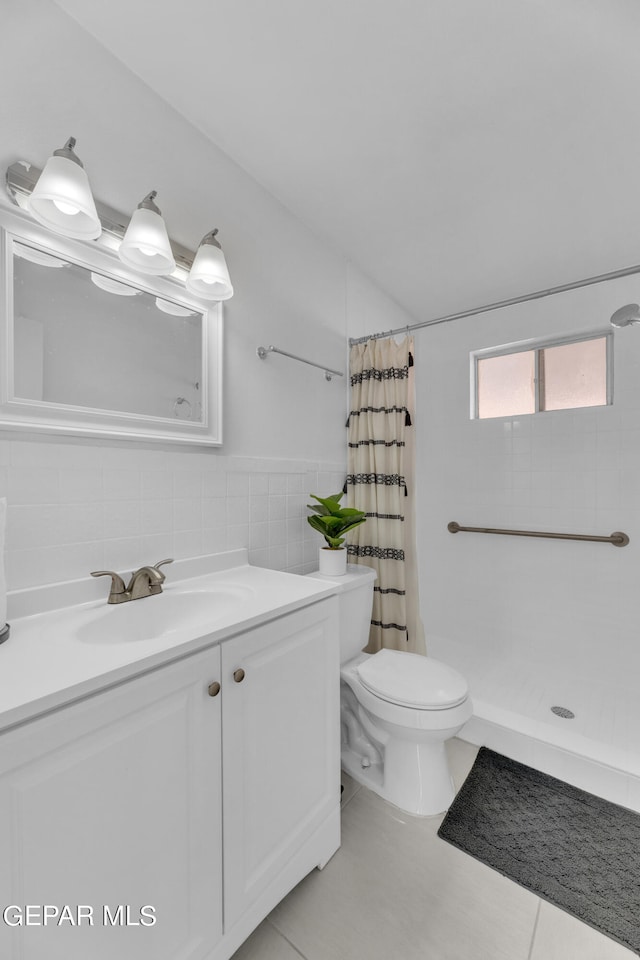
(238, 675)
(214, 689)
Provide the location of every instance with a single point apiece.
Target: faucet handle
(161, 563)
(117, 583)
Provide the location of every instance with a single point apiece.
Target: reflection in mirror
(82, 339)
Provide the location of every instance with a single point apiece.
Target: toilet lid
(411, 680)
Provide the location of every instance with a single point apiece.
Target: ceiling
(459, 152)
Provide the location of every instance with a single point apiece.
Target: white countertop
(52, 656)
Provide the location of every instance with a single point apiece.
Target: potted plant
(333, 522)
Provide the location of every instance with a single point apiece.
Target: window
(532, 377)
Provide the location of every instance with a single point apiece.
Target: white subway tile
(238, 484)
(278, 484)
(81, 485)
(156, 547)
(258, 536)
(214, 539)
(72, 561)
(33, 485)
(187, 514)
(187, 543)
(121, 484)
(277, 507)
(278, 557)
(259, 558)
(295, 529)
(124, 555)
(259, 509)
(295, 554)
(120, 520)
(157, 484)
(25, 568)
(29, 453)
(156, 517)
(259, 484)
(238, 510)
(187, 484)
(296, 483)
(277, 533)
(214, 484)
(237, 536)
(296, 505)
(214, 512)
(33, 525)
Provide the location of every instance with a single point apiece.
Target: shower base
(597, 749)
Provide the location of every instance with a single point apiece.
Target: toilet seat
(410, 680)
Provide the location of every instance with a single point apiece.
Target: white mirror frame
(46, 417)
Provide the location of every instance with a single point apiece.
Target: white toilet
(397, 709)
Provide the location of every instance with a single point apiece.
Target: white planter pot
(332, 563)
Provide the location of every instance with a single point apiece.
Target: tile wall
(75, 506)
(562, 607)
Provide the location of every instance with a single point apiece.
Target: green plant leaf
(316, 522)
(351, 526)
(333, 521)
(321, 510)
(335, 542)
(332, 505)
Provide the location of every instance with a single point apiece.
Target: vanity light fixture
(62, 199)
(109, 285)
(209, 276)
(173, 309)
(38, 256)
(145, 245)
(59, 197)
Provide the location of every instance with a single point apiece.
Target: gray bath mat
(575, 850)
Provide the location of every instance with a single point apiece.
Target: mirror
(94, 349)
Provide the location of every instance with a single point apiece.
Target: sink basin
(154, 617)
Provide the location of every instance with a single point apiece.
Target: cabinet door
(281, 764)
(115, 802)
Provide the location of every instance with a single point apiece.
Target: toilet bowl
(397, 709)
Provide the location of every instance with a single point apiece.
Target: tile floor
(395, 891)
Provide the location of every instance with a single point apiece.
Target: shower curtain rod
(537, 295)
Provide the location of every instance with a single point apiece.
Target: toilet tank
(355, 600)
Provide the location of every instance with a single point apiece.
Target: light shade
(110, 285)
(209, 277)
(62, 199)
(145, 245)
(166, 306)
(38, 256)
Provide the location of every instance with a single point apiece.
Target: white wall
(80, 505)
(559, 605)
(368, 309)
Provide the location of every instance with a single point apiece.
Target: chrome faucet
(145, 582)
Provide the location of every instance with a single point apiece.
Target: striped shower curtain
(380, 481)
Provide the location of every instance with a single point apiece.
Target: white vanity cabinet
(162, 792)
(117, 800)
(281, 749)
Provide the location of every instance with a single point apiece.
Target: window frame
(536, 345)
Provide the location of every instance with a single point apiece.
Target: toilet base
(398, 752)
(414, 777)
